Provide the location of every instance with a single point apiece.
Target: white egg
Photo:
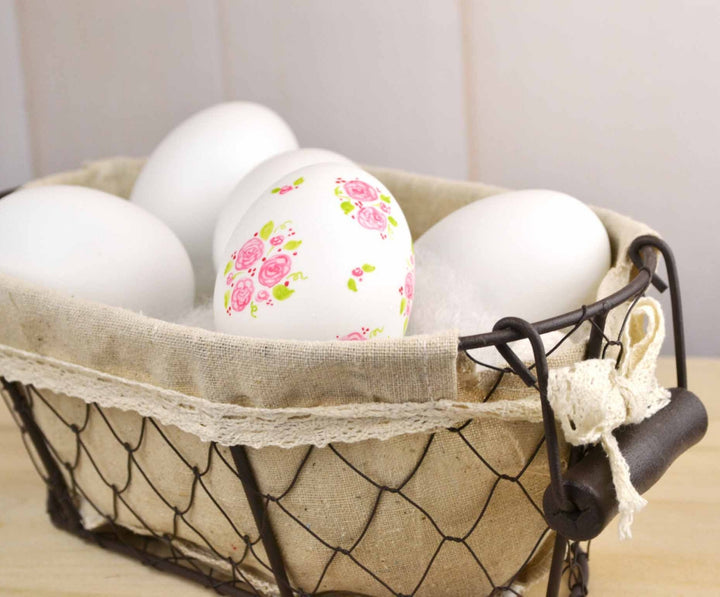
(190, 174)
(96, 246)
(258, 180)
(531, 254)
(329, 259)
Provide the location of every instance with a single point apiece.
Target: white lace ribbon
(592, 398)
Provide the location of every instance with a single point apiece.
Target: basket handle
(649, 448)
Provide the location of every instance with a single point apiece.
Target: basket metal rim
(635, 286)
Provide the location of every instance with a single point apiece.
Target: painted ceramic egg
(188, 177)
(329, 258)
(258, 180)
(96, 246)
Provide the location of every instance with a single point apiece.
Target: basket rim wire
(63, 490)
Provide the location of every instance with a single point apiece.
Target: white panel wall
(614, 103)
(112, 77)
(15, 164)
(617, 103)
(379, 81)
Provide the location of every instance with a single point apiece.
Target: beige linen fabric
(385, 404)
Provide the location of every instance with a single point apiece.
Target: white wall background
(614, 102)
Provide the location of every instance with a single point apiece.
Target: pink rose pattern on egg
(274, 270)
(360, 190)
(367, 205)
(410, 285)
(372, 219)
(288, 187)
(407, 290)
(249, 253)
(242, 294)
(260, 273)
(353, 336)
(356, 275)
(363, 334)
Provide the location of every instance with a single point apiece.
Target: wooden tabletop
(674, 551)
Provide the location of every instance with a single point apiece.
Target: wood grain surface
(673, 552)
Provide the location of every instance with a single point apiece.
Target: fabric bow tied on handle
(592, 398)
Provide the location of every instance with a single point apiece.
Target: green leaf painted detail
(338, 191)
(281, 292)
(253, 309)
(347, 207)
(227, 299)
(292, 244)
(368, 268)
(376, 331)
(405, 324)
(299, 181)
(385, 198)
(228, 267)
(295, 276)
(352, 285)
(276, 190)
(392, 220)
(403, 302)
(267, 230)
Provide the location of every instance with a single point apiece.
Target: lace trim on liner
(590, 398)
(231, 424)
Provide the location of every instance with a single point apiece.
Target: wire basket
(121, 450)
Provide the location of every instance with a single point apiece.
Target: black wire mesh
(155, 493)
(107, 521)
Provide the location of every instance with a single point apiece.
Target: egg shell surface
(96, 246)
(532, 254)
(189, 175)
(330, 259)
(259, 179)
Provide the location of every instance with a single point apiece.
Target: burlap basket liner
(385, 404)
